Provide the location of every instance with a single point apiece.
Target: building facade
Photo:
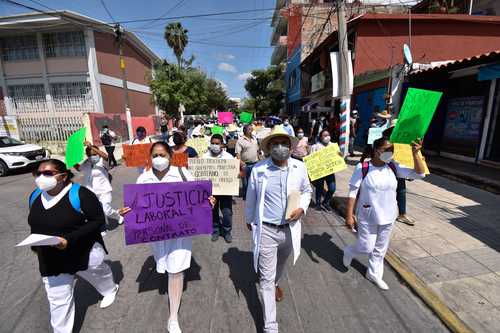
(376, 42)
(58, 66)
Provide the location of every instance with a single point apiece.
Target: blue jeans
(330, 183)
(401, 196)
(248, 171)
(164, 136)
(225, 205)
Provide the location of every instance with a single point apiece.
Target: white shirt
(95, 177)
(223, 155)
(49, 201)
(377, 192)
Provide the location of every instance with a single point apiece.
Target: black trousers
(111, 155)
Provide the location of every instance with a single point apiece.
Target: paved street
(220, 293)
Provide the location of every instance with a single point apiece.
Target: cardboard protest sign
(218, 130)
(137, 155)
(374, 134)
(324, 162)
(225, 117)
(404, 156)
(199, 144)
(222, 172)
(75, 150)
(179, 160)
(416, 115)
(163, 211)
(246, 117)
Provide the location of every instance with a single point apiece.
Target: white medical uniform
(376, 211)
(60, 287)
(173, 255)
(96, 179)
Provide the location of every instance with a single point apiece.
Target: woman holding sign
(74, 215)
(373, 186)
(325, 204)
(172, 256)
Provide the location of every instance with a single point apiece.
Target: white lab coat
(254, 210)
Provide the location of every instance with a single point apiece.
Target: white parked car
(15, 154)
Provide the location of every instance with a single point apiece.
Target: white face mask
(94, 159)
(300, 135)
(286, 123)
(215, 149)
(160, 163)
(46, 183)
(326, 140)
(280, 152)
(386, 156)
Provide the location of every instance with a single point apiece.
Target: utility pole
(345, 97)
(119, 37)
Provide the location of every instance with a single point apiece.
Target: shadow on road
(244, 279)
(149, 279)
(323, 247)
(85, 295)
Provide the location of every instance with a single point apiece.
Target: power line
(107, 10)
(171, 9)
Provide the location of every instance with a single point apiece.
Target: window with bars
(19, 48)
(58, 90)
(26, 90)
(64, 44)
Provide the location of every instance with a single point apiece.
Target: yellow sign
(324, 162)
(199, 144)
(404, 156)
(222, 172)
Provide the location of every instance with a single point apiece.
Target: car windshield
(5, 141)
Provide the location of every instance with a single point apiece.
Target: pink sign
(225, 117)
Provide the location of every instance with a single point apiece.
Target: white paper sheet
(39, 240)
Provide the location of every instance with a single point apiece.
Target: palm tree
(177, 39)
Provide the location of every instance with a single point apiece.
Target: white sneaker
(346, 259)
(121, 220)
(109, 299)
(378, 282)
(173, 326)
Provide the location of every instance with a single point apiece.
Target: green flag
(415, 115)
(218, 130)
(246, 117)
(75, 151)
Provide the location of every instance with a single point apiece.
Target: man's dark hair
(141, 129)
(218, 137)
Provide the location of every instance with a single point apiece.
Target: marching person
(302, 148)
(325, 204)
(172, 256)
(107, 138)
(73, 214)
(180, 148)
(224, 202)
(273, 183)
(141, 136)
(288, 127)
(373, 186)
(97, 179)
(247, 151)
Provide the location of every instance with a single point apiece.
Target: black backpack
(106, 139)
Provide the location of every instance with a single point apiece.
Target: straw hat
(232, 128)
(277, 131)
(384, 114)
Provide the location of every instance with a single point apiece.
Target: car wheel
(4, 170)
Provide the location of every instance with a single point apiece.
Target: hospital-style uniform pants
(373, 240)
(275, 248)
(59, 289)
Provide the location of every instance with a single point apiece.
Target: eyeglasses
(48, 173)
(158, 155)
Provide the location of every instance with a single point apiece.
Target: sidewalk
(477, 175)
(454, 246)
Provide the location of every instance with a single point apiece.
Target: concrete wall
(67, 65)
(113, 100)
(431, 41)
(137, 65)
(22, 68)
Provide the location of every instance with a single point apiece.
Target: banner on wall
(463, 119)
(8, 127)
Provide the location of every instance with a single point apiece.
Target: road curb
(430, 298)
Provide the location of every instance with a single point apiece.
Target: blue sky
(227, 63)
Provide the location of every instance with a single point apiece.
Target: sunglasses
(48, 173)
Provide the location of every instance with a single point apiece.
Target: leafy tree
(177, 39)
(266, 89)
